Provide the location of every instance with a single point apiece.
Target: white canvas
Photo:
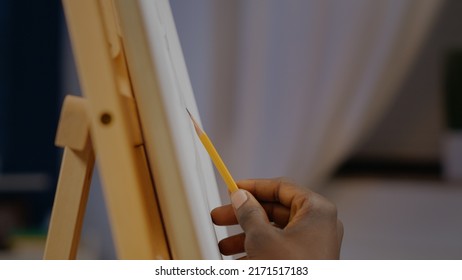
(183, 174)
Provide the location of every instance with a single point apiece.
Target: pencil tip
(196, 125)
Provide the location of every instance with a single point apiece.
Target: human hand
(280, 221)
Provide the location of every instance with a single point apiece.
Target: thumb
(249, 213)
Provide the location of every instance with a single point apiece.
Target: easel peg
(74, 124)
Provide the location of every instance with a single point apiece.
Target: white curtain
(288, 88)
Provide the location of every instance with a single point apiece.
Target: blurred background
(359, 100)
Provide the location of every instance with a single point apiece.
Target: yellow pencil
(219, 164)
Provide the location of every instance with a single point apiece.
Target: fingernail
(238, 198)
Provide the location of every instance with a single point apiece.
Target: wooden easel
(104, 123)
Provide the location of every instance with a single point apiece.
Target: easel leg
(74, 181)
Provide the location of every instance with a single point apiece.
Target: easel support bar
(74, 180)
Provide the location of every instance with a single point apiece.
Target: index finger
(273, 190)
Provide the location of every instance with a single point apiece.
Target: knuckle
(330, 209)
(325, 208)
(304, 201)
(283, 180)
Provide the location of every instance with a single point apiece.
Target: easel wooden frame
(107, 119)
